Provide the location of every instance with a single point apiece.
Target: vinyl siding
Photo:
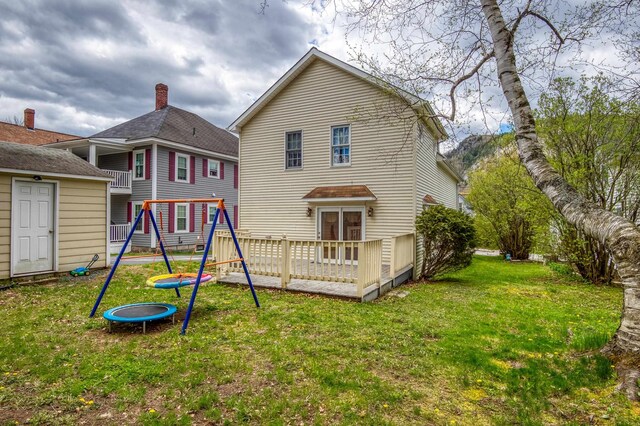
(203, 188)
(82, 219)
(323, 96)
(431, 179)
(5, 225)
(118, 161)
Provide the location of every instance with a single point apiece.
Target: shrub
(448, 238)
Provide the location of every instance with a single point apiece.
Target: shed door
(32, 224)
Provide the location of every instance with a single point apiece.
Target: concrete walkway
(151, 259)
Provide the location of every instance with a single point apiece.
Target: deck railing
(119, 232)
(353, 262)
(121, 180)
(402, 253)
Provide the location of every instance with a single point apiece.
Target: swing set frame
(146, 209)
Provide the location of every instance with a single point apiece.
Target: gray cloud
(102, 59)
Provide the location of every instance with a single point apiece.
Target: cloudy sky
(85, 66)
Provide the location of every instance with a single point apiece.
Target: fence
(352, 262)
(121, 180)
(402, 253)
(119, 232)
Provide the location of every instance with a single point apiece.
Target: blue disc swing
(144, 312)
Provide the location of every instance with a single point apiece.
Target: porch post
(285, 273)
(92, 154)
(362, 269)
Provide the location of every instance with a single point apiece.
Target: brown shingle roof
(342, 191)
(17, 156)
(429, 200)
(20, 134)
(176, 125)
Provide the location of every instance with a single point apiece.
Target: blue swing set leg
(122, 250)
(185, 324)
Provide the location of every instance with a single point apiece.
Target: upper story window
(138, 164)
(182, 168)
(214, 169)
(293, 150)
(340, 146)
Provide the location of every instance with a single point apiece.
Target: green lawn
(497, 343)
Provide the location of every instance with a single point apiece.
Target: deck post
(285, 272)
(392, 261)
(362, 269)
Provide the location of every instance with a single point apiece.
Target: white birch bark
(619, 235)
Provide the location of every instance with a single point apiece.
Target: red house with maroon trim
(167, 153)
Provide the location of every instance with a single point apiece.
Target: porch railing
(121, 180)
(402, 252)
(353, 262)
(119, 232)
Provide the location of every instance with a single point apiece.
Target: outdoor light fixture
(37, 177)
(370, 212)
(309, 211)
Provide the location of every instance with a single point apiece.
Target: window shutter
(129, 211)
(130, 160)
(235, 217)
(193, 169)
(147, 165)
(235, 176)
(221, 220)
(172, 166)
(205, 166)
(172, 213)
(146, 222)
(192, 217)
(205, 213)
(221, 170)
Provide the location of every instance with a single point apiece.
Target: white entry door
(341, 224)
(32, 225)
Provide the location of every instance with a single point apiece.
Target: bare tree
(464, 55)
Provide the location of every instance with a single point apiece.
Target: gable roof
(29, 158)
(175, 125)
(315, 54)
(21, 134)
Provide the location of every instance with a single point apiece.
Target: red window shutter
(205, 166)
(235, 217)
(205, 213)
(146, 222)
(235, 176)
(192, 217)
(193, 169)
(130, 160)
(172, 214)
(221, 170)
(172, 166)
(221, 220)
(129, 211)
(147, 164)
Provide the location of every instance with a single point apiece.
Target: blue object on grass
(140, 312)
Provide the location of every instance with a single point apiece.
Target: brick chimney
(162, 96)
(29, 118)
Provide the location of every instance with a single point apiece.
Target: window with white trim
(212, 213)
(214, 169)
(182, 168)
(182, 217)
(136, 206)
(340, 146)
(293, 150)
(138, 164)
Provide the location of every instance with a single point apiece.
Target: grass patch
(496, 343)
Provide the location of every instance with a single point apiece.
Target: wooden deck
(326, 288)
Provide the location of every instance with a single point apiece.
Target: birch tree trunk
(619, 235)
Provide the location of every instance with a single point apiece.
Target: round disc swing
(145, 312)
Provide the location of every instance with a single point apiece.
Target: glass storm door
(340, 224)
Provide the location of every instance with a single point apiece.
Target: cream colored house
(53, 211)
(331, 153)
